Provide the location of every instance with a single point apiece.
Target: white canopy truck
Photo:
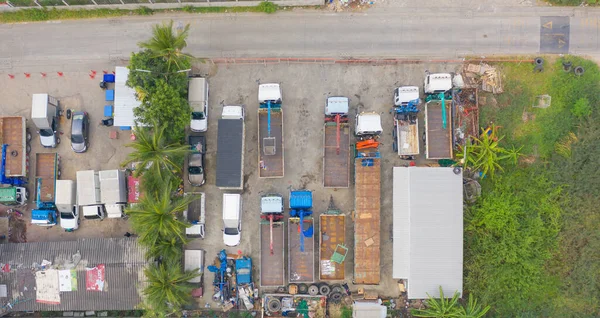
(195, 214)
(113, 192)
(437, 83)
(230, 149)
(66, 204)
(88, 195)
(232, 219)
(44, 112)
(198, 100)
(194, 261)
(406, 123)
(368, 125)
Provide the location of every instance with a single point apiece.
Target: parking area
(305, 89)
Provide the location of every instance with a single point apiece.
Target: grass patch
(46, 14)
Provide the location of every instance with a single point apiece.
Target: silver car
(79, 131)
(196, 169)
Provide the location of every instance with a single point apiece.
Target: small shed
(428, 230)
(125, 99)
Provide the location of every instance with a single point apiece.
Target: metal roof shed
(125, 99)
(428, 230)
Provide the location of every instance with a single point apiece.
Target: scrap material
(47, 291)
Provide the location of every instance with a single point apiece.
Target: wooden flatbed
(332, 231)
(14, 135)
(407, 137)
(272, 272)
(301, 265)
(46, 166)
(270, 166)
(438, 139)
(336, 167)
(366, 220)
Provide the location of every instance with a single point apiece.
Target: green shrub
(582, 108)
(188, 9)
(143, 10)
(267, 7)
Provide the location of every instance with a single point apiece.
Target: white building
(428, 230)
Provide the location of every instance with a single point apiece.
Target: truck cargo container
(198, 100)
(336, 144)
(88, 195)
(13, 196)
(113, 192)
(194, 261)
(230, 149)
(66, 204)
(270, 132)
(272, 241)
(15, 159)
(44, 114)
(332, 240)
(438, 137)
(195, 214)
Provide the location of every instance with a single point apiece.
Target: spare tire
(337, 288)
(579, 70)
(274, 305)
(335, 297)
(302, 288)
(539, 61)
(313, 290)
(324, 289)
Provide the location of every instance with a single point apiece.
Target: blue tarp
(300, 199)
(243, 271)
(44, 215)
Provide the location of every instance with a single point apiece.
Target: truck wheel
(57, 141)
(337, 288)
(274, 305)
(302, 288)
(394, 146)
(335, 297)
(313, 290)
(324, 289)
(28, 136)
(58, 173)
(28, 148)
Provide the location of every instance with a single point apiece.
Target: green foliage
(582, 108)
(168, 44)
(154, 152)
(155, 69)
(267, 7)
(472, 309)
(168, 289)
(188, 8)
(143, 10)
(439, 307)
(511, 234)
(165, 106)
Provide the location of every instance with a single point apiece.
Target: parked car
(196, 160)
(70, 220)
(79, 131)
(232, 219)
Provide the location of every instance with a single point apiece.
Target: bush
(267, 7)
(143, 10)
(582, 108)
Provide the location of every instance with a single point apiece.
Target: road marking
(554, 35)
(547, 25)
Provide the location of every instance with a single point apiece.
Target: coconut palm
(152, 151)
(168, 289)
(168, 44)
(439, 307)
(158, 216)
(166, 248)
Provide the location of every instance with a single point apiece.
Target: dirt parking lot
(305, 89)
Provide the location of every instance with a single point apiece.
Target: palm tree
(158, 216)
(440, 307)
(168, 44)
(166, 248)
(168, 289)
(153, 152)
(472, 309)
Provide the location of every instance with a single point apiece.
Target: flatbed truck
(14, 139)
(46, 173)
(270, 132)
(230, 149)
(301, 243)
(406, 123)
(332, 240)
(272, 241)
(336, 144)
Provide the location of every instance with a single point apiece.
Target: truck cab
(44, 217)
(368, 125)
(437, 83)
(198, 100)
(271, 203)
(44, 112)
(337, 106)
(232, 219)
(406, 95)
(94, 212)
(269, 92)
(13, 196)
(233, 112)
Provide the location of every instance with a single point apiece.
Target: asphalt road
(444, 33)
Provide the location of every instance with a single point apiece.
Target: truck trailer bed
(407, 138)
(272, 273)
(336, 167)
(14, 135)
(230, 154)
(332, 230)
(45, 175)
(301, 264)
(438, 139)
(366, 220)
(270, 166)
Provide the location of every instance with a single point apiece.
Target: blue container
(110, 95)
(108, 111)
(300, 199)
(243, 271)
(109, 78)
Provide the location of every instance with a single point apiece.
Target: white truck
(44, 114)
(66, 204)
(230, 149)
(88, 195)
(195, 214)
(232, 219)
(270, 131)
(437, 83)
(368, 125)
(194, 261)
(406, 122)
(198, 100)
(113, 192)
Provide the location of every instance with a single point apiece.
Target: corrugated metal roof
(124, 279)
(230, 140)
(428, 230)
(125, 99)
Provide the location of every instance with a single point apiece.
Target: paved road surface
(421, 32)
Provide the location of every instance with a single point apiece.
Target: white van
(94, 212)
(232, 219)
(198, 100)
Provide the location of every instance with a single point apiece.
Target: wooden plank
(13, 136)
(439, 139)
(332, 232)
(270, 166)
(408, 144)
(336, 172)
(301, 264)
(366, 223)
(272, 271)
(45, 169)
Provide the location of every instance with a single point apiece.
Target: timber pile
(483, 75)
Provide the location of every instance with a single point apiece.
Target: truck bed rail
(272, 273)
(332, 230)
(336, 167)
(270, 165)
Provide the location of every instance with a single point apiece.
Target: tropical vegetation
(443, 307)
(531, 240)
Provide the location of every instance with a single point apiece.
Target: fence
(150, 3)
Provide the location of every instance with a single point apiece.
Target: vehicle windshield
(66, 215)
(46, 132)
(231, 231)
(197, 115)
(77, 139)
(195, 170)
(92, 217)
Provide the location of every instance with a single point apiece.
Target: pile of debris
(483, 75)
